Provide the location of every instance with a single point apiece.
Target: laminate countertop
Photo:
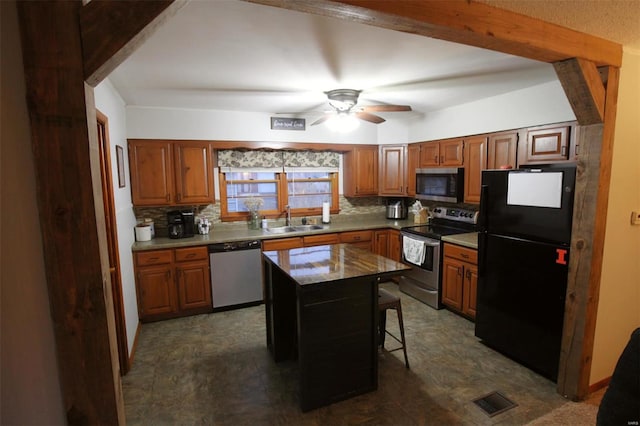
(469, 240)
(319, 264)
(224, 233)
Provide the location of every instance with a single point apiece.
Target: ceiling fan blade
(370, 117)
(321, 119)
(386, 108)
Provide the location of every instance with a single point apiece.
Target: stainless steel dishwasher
(236, 273)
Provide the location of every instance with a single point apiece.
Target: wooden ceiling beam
(112, 30)
(470, 23)
(583, 85)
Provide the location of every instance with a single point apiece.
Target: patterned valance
(263, 160)
(311, 161)
(229, 159)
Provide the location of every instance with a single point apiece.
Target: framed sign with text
(284, 123)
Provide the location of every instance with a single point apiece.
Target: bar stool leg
(404, 342)
(382, 327)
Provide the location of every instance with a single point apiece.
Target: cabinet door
(395, 245)
(156, 291)
(361, 171)
(475, 161)
(502, 150)
(413, 162)
(194, 288)
(452, 283)
(193, 173)
(381, 243)
(429, 154)
(547, 145)
(451, 153)
(470, 290)
(392, 170)
(151, 169)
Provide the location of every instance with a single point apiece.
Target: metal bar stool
(386, 301)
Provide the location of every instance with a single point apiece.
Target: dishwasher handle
(234, 246)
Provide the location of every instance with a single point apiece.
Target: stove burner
(446, 221)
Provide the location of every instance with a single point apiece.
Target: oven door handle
(427, 241)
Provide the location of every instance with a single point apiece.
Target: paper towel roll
(325, 212)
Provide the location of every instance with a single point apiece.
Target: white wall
(541, 104)
(109, 102)
(163, 123)
(619, 304)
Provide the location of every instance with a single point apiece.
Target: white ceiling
(232, 55)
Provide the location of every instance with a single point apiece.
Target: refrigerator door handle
(483, 220)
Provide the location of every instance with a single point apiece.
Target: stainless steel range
(421, 249)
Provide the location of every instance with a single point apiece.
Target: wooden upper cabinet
(151, 170)
(502, 150)
(475, 161)
(393, 176)
(413, 162)
(430, 154)
(547, 144)
(444, 153)
(361, 171)
(171, 173)
(193, 173)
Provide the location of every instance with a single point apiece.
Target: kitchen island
(322, 308)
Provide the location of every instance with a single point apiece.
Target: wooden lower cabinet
(386, 243)
(362, 239)
(460, 279)
(173, 283)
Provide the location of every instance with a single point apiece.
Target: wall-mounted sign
(280, 123)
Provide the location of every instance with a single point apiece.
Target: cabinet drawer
(155, 257)
(318, 240)
(356, 236)
(282, 244)
(462, 253)
(191, 253)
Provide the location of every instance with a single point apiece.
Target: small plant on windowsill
(253, 204)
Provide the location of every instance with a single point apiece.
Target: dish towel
(414, 250)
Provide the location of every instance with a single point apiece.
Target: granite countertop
(469, 240)
(318, 264)
(223, 233)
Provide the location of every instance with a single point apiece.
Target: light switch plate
(635, 218)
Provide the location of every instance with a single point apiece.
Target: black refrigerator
(523, 261)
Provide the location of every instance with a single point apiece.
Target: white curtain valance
(311, 161)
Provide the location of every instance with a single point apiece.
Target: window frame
(282, 185)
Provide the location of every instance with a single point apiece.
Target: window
(308, 190)
(301, 179)
(303, 191)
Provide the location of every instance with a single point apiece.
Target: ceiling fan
(344, 103)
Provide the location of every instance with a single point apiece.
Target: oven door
(423, 280)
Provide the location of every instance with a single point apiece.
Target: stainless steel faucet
(288, 220)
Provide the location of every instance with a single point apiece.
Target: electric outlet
(635, 218)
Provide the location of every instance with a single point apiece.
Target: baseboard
(599, 385)
(134, 346)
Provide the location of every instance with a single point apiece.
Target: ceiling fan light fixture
(343, 99)
(343, 122)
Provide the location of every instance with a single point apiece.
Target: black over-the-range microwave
(440, 184)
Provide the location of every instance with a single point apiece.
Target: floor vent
(494, 403)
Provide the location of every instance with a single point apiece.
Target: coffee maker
(181, 224)
(175, 224)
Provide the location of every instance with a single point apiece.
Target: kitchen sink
(308, 227)
(297, 228)
(281, 229)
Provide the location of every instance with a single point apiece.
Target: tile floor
(216, 369)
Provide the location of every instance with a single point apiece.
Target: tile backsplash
(348, 206)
